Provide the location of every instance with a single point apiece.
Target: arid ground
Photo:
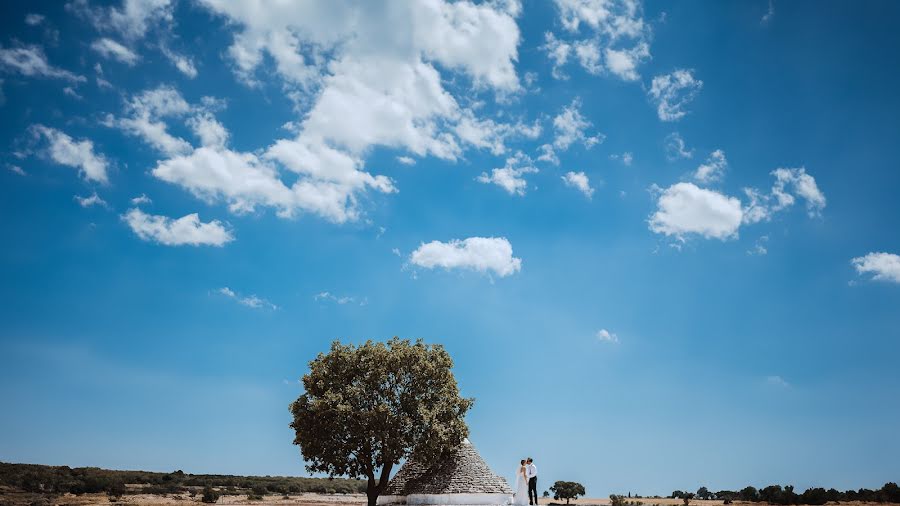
(8, 497)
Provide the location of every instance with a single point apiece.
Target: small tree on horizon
(367, 407)
(567, 490)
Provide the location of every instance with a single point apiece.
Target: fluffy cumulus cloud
(580, 182)
(713, 169)
(481, 254)
(64, 150)
(30, 61)
(881, 266)
(684, 209)
(604, 36)
(187, 230)
(111, 49)
(673, 92)
(511, 176)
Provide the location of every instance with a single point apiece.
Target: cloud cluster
(481, 254)
(604, 36)
(685, 209)
(187, 230)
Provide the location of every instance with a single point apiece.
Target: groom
(531, 473)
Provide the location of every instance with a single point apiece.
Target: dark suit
(532, 489)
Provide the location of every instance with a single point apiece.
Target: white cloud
(570, 127)
(510, 177)
(606, 336)
(579, 181)
(672, 92)
(145, 114)
(30, 61)
(482, 254)
(187, 230)
(184, 64)
(803, 185)
(882, 266)
(547, 154)
(684, 209)
(713, 169)
(617, 39)
(789, 183)
(759, 248)
(328, 296)
(588, 54)
(141, 199)
(406, 160)
(132, 20)
(109, 48)
(91, 200)
(69, 91)
(15, 169)
(675, 148)
(777, 381)
(558, 51)
(770, 13)
(251, 301)
(625, 157)
(33, 19)
(67, 151)
(623, 63)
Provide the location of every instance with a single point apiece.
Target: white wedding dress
(521, 496)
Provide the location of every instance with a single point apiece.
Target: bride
(521, 496)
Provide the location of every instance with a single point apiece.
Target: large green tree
(367, 407)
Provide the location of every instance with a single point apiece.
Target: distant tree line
(776, 494)
(86, 480)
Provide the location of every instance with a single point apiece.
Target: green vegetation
(365, 408)
(567, 490)
(57, 480)
(776, 494)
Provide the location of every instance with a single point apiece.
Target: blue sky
(658, 239)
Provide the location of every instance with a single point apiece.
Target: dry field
(27, 499)
(10, 498)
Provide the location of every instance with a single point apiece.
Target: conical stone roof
(461, 471)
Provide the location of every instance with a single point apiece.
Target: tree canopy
(567, 490)
(367, 407)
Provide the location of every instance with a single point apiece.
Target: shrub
(210, 496)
